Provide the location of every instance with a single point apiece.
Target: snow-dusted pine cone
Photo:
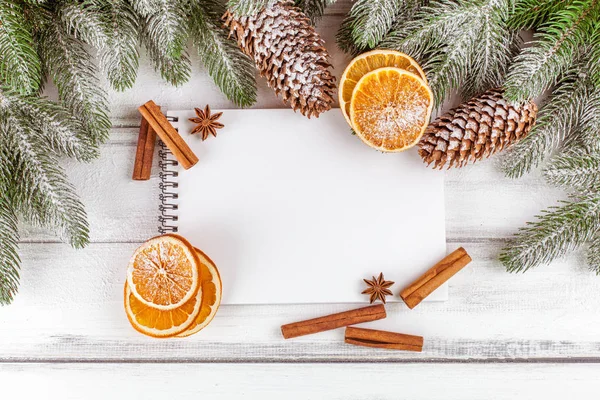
(289, 53)
(484, 125)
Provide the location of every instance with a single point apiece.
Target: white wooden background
(499, 336)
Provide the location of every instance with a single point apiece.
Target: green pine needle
(9, 258)
(165, 32)
(314, 9)
(594, 56)
(462, 44)
(593, 254)
(119, 59)
(246, 7)
(557, 119)
(529, 14)
(64, 134)
(555, 48)
(372, 19)
(20, 66)
(232, 71)
(344, 38)
(555, 233)
(42, 192)
(575, 170)
(70, 66)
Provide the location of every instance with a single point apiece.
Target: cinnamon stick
(383, 339)
(435, 277)
(333, 321)
(182, 152)
(145, 152)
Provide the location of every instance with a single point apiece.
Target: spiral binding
(168, 188)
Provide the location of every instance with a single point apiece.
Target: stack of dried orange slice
(385, 97)
(172, 288)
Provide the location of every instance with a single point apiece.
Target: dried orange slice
(160, 323)
(368, 62)
(390, 109)
(163, 273)
(211, 295)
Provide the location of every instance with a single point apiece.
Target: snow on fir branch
(70, 43)
(463, 44)
(575, 171)
(556, 232)
(554, 49)
(314, 9)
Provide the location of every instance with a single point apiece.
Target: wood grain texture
(304, 381)
(69, 308)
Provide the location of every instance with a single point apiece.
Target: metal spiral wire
(168, 191)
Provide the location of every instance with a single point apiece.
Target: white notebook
(293, 210)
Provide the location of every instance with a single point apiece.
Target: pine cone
(484, 125)
(289, 53)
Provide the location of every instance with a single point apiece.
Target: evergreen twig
(232, 70)
(578, 171)
(247, 7)
(557, 119)
(554, 50)
(20, 66)
(372, 19)
(556, 232)
(593, 254)
(314, 9)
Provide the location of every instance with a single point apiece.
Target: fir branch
(166, 26)
(75, 75)
(344, 38)
(246, 7)
(460, 43)
(9, 234)
(553, 51)
(528, 14)
(556, 121)
(593, 56)
(556, 232)
(119, 59)
(65, 135)
(20, 66)
(372, 19)
(593, 254)
(498, 44)
(145, 8)
(313, 9)
(9, 258)
(164, 33)
(587, 135)
(42, 192)
(578, 171)
(84, 20)
(232, 71)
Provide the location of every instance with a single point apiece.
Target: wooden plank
(303, 381)
(70, 308)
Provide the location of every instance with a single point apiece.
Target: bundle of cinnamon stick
(412, 295)
(155, 123)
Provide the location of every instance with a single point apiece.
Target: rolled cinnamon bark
(182, 152)
(142, 167)
(435, 277)
(333, 321)
(383, 339)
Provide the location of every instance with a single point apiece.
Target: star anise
(378, 288)
(207, 124)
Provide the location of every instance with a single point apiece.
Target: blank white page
(294, 210)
